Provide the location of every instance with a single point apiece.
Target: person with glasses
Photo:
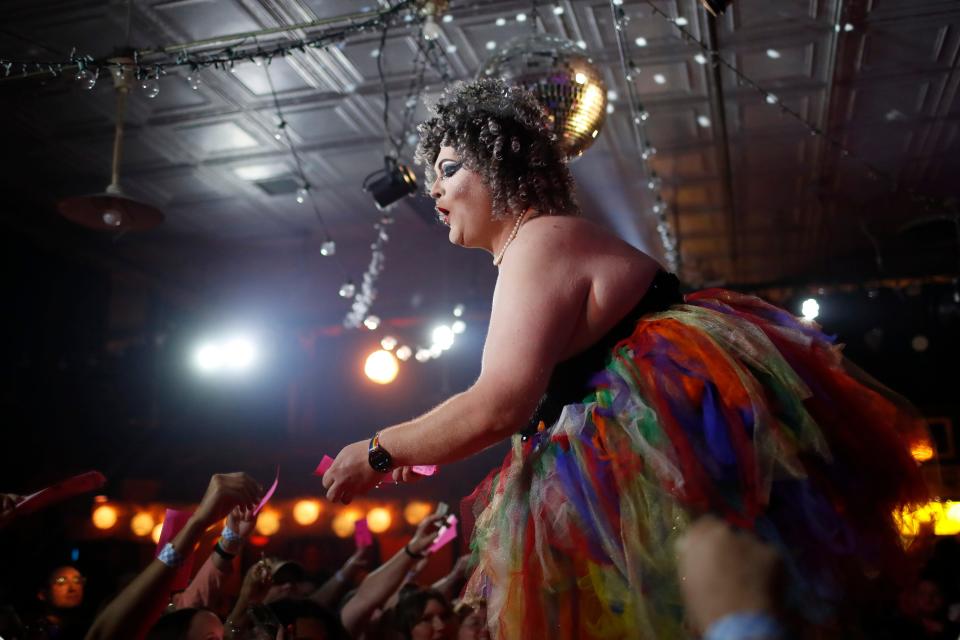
(62, 614)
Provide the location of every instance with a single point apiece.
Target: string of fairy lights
(645, 149)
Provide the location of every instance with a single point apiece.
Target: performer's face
(435, 623)
(463, 201)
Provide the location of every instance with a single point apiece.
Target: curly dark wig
(501, 133)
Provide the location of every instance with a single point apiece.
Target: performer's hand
(406, 475)
(351, 474)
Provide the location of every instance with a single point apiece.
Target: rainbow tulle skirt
(723, 404)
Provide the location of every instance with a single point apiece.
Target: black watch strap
(379, 458)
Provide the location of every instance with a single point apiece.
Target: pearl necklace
(513, 234)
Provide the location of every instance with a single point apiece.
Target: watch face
(380, 460)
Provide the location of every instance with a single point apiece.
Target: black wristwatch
(380, 459)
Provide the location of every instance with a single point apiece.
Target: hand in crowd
(256, 583)
(361, 560)
(426, 533)
(725, 571)
(226, 491)
(242, 521)
(8, 501)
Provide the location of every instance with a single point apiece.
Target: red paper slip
(447, 533)
(89, 481)
(268, 494)
(361, 534)
(325, 464)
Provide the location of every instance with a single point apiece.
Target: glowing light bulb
(443, 337)
(345, 522)
(195, 80)
(142, 524)
(381, 367)
(458, 326)
(810, 308)
(112, 218)
(379, 519)
(416, 511)
(458, 310)
(681, 21)
(558, 10)
(306, 512)
(347, 290)
(773, 54)
(521, 17)
(700, 58)
(501, 21)
(104, 516)
(422, 355)
(268, 522)
(404, 353)
(921, 451)
(388, 343)
(491, 45)
(641, 41)
(581, 78)
(302, 195)
(328, 248)
(371, 322)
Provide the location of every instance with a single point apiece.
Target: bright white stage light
(239, 353)
(443, 337)
(459, 326)
(234, 355)
(810, 308)
(208, 358)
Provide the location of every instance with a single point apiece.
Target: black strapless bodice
(570, 381)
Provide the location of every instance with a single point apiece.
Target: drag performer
(632, 409)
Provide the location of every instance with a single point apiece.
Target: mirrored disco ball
(564, 80)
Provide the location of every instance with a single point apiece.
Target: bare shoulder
(573, 235)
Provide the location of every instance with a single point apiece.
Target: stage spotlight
(416, 511)
(268, 522)
(236, 355)
(104, 516)
(443, 337)
(392, 183)
(142, 524)
(810, 309)
(381, 367)
(459, 326)
(306, 512)
(239, 353)
(379, 519)
(208, 358)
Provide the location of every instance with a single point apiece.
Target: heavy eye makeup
(450, 167)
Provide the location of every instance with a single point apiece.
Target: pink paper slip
(362, 535)
(447, 533)
(425, 469)
(325, 464)
(89, 481)
(173, 522)
(268, 494)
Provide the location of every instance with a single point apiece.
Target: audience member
(187, 624)
(473, 620)
(425, 614)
